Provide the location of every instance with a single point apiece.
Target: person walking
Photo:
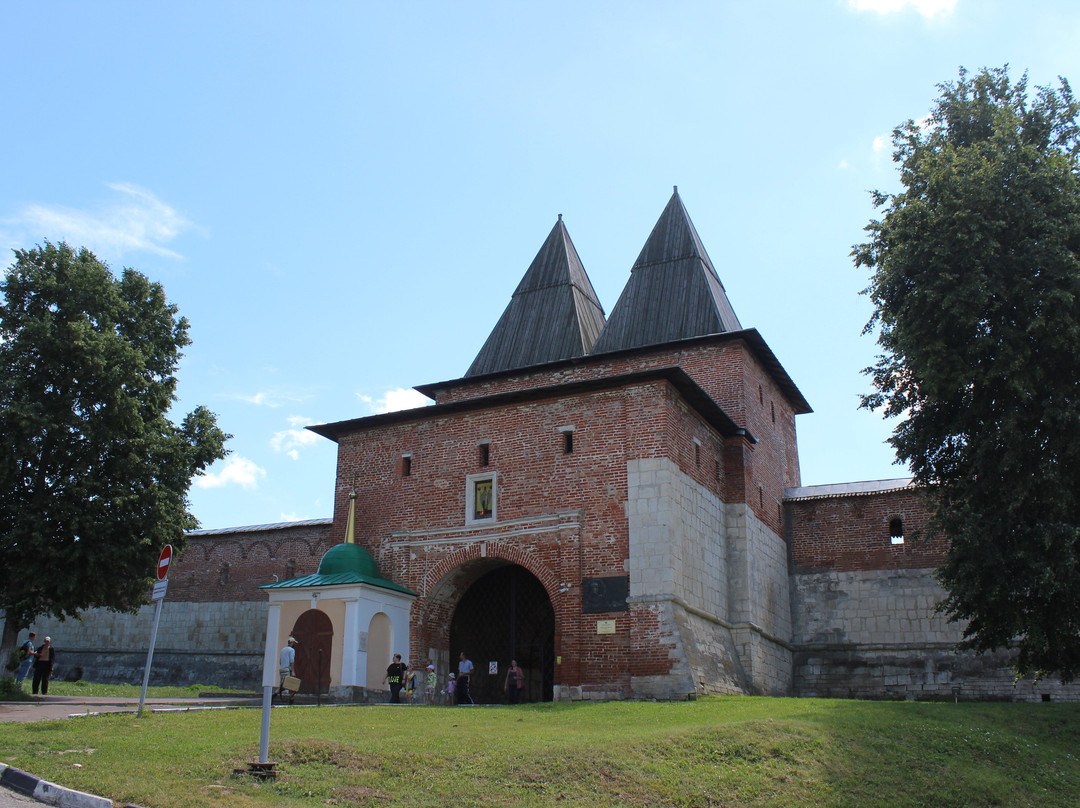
(286, 666)
(515, 681)
(395, 677)
(464, 680)
(44, 659)
(26, 654)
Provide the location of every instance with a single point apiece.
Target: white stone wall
(875, 634)
(721, 575)
(883, 607)
(207, 627)
(759, 601)
(758, 567)
(677, 545)
(197, 643)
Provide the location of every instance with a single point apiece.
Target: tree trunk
(7, 642)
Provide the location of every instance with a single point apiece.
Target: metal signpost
(164, 560)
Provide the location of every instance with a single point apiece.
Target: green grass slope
(712, 752)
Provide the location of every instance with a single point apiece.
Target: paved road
(12, 799)
(45, 708)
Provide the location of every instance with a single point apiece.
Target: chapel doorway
(314, 643)
(506, 614)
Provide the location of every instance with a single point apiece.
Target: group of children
(410, 682)
(431, 692)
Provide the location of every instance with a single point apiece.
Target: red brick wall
(231, 566)
(561, 516)
(732, 376)
(852, 533)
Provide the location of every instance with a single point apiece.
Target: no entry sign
(164, 560)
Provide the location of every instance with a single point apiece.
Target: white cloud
(395, 400)
(928, 8)
(235, 470)
(135, 222)
(292, 440)
(269, 398)
(881, 142)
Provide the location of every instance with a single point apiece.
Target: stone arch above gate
(448, 580)
(495, 551)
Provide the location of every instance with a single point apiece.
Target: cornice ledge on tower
(694, 395)
(750, 336)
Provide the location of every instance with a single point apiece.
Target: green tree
(95, 476)
(976, 287)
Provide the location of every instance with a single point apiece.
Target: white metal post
(150, 654)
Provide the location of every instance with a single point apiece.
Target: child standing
(429, 685)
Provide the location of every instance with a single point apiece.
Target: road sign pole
(162, 572)
(150, 654)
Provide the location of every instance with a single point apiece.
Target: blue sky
(341, 197)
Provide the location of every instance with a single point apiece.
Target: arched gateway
(495, 611)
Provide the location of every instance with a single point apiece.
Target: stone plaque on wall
(604, 594)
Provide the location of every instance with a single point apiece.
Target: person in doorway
(410, 686)
(515, 681)
(451, 686)
(286, 667)
(464, 680)
(44, 660)
(429, 685)
(26, 656)
(395, 677)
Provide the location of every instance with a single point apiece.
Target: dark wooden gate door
(315, 641)
(505, 615)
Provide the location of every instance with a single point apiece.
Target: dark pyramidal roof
(673, 293)
(554, 313)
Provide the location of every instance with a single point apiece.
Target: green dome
(348, 558)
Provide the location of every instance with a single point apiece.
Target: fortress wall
(875, 634)
(213, 619)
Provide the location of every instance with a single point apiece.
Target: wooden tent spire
(554, 313)
(674, 291)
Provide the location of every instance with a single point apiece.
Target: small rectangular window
(406, 465)
(567, 439)
(485, 454)
(697, 452)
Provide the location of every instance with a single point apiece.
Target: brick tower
(601, 501)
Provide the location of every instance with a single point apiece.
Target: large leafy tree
(976, 286)
(95, 475)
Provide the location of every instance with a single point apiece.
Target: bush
(9, 691)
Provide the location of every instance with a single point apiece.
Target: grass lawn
(81, 688)
(713, 752)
